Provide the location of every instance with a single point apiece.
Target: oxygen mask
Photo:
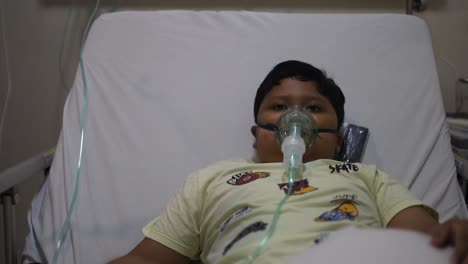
(295, 131)
(296, 123)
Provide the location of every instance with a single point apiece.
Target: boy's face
(288, 93)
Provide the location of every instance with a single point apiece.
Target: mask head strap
(274, 128)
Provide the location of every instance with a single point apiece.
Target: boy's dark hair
(303, 72)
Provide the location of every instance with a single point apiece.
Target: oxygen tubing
(84, 108)
(271, 230)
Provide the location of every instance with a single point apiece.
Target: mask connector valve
(293, 148)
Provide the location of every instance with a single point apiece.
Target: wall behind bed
(41, 76)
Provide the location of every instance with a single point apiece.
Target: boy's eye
(280, 107)
(313, 108)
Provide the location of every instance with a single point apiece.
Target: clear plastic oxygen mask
(296, 131)
(295, 134)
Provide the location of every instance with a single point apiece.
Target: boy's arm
(150, 251)
(453, 232)
(414, 218)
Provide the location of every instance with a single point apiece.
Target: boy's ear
(253, 130)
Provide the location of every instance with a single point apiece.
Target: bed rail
(8, 195)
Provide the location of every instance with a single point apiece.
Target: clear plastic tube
(271, 230)
(66, 223)
(293, 148)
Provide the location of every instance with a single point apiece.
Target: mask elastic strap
(325, 130)
(274, 128)
(268, 126)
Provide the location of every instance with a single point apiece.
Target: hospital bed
(172, 91)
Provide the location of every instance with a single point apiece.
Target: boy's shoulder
(231, 167)
(221, 166)
(228, 164)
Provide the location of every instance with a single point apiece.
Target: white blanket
(390, 246)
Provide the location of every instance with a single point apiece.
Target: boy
(222, 213)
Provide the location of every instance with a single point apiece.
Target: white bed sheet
(172, 91)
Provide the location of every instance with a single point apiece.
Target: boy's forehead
(290, 87)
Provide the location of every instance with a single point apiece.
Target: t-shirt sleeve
(391, 197)
(178, 226)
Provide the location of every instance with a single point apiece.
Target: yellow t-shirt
(223, 211)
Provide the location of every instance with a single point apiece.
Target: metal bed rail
(10, 178)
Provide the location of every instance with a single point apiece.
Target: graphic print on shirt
(348, 167)
(233, 217)
(246, 177)
(299, 187)
(255, 227)
(344, 197)
(345, 211)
